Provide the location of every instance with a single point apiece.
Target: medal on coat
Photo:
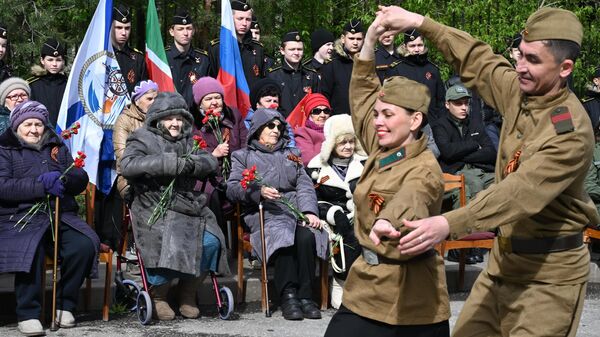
(131, 76)
(256, 70)
(133, 56)
(197, 59)
(192, 77)
(307, 90)
(428, 75)
(376, 202)
(513, 164)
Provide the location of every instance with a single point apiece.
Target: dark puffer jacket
(20, 166)
(277, 170)
(151, 160)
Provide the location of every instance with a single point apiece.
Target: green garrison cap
(406, 93)
(553, 24)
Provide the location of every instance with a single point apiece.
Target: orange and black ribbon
(54, 154)
(376, 202)
(294, 158)
(513, 164)
(321, 182)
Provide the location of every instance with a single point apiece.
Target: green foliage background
(493, 21)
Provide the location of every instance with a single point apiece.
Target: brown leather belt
(540, 245)
(374, 259)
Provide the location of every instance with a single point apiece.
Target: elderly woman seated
(335, 172)
(13, 91)
(185, 242)
(292, 244)
(33, 160)
(309, 135)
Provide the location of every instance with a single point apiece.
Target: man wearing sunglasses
(295, 79)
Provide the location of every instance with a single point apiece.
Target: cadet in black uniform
(49, 81)
(5, 71)
(251, 51)
(321, 42)
(385, 54)
(335, 75)
(187, 64)
(592, 101)
(295, 79)
(255, 29)
(416, 66)
(131, 61)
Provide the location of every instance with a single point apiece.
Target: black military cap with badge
(410, 36)
(52, 47)
(240, 5)
(291, 36)
(254, 23)
(182, 17)
(121, 14)
(354, 26)
(3, 31)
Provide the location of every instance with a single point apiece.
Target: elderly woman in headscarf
(308, 119)
(290, 242)
(335, 172)
(185, 242)
(33, 161)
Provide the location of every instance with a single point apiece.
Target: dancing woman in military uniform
(388, 293)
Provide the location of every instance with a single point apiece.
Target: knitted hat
(143, 87)
(313, 101)
(553, 24)
(334, 127)
(206, 85)
(320, 37)
(26, 110)
(260, 88)
(10, 84)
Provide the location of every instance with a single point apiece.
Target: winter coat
(4, 119)
(472, 146)
(5, 71)
(309, 142)
(131, 119)
(278, 170)
(295, 84)
(383, 59)
(151, 160)
(187, 68)
(237, 133)
(592, 106)
(48, 89)
(290, 134)
(20, 166)
(335, 80)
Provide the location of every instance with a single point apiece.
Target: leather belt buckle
(505, 244)
(370, 256)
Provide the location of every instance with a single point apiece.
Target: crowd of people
(345, 152)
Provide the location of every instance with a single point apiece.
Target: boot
(162, 311)
(310, 309)
(186, 296)
(454, 256)
(290, 306)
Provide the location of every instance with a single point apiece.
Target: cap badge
(184, 21)
(55, 53)
(297, 37)
(123, 19)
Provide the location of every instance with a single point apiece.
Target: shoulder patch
(32, 79)
(561, 118)
(201, 51)
(392, 158)
(214, 42)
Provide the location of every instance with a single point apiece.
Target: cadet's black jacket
(335, 80)
(187, 68)
(592, 106)
(383, 59)
(5, 72)
(48, 89)
(253, 56)
(472, 147)
(294, 84)
(132, 64)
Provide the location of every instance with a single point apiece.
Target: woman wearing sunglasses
(388, 293)
(309, 136)
(291, 243)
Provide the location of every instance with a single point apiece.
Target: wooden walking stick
(53, 325)
(265, 289)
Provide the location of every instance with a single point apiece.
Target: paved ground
(250, 322)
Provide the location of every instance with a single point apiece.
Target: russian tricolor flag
(231, 74)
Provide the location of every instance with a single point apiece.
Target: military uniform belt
(374, 259)
(539, 245)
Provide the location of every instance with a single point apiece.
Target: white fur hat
(335, 126)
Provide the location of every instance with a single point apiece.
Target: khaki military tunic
(409, 181)
(544, 197)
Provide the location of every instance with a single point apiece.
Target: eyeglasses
(317, 111)
(273, 125)
(16, 97)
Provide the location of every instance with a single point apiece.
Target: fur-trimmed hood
(420, 59)
(335, 126)
(338, 48)
(168, 104)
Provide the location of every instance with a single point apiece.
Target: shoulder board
(32, 79)
(135, 50)
(306, 62)
(257, 42)
(588, 99)
(310, 69)
(435, 65)
(395, 63)
(327, 61)
(214, 42)
(201, 51)
(382, 66)
(168, 48)
(561, 119)
(274, 68)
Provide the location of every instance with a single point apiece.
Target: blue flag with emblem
(95, 96)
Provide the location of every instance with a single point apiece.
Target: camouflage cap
(405, 93)
(553, 24)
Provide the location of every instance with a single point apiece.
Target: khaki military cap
(553, 24)
(405, 93)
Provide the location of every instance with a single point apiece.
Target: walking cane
(265, 299)
(53, 325)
